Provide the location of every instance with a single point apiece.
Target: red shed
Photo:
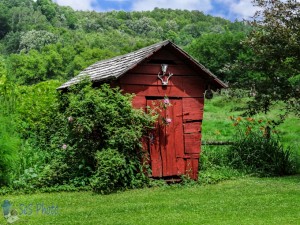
(152, 73)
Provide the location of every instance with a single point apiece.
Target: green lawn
(241, 201)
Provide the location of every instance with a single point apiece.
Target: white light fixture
(164, 68)
(163, 77)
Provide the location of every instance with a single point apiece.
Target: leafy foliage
(59, 42)
(114, 172)
(36, 40)
(4, 25)
(257, 151)
(92, 125)
(275, 44)
(9, 145)
(218, 51)
(36, 109)
(9, 138)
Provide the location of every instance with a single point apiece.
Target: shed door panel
(166, 144)
(193, 109)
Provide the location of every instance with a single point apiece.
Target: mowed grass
(241, 201)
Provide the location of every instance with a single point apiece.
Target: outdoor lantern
(208, 93)
(164, 68)
(163, 77)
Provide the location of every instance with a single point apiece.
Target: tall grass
(263, 156)
(217, 126)
(9, 141)
(215, 166)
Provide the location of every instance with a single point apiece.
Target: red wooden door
(166, 145)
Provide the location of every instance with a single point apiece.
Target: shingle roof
(117, 66)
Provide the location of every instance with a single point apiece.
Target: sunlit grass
(241, 201)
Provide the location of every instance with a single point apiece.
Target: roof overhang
(114, 68)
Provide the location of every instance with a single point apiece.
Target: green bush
(263, 156)
(34, 115)
(36, 111)
(111, 171)
(258, 151)
(90, 122)
(213, 157)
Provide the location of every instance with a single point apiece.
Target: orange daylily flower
(239, 119)
(250, 119)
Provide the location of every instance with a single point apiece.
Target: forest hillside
(42, 40)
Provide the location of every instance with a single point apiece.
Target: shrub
(94, 123)
(111, 171)
(37, 110)
(213, 157)
(35, 114)
(257, 151)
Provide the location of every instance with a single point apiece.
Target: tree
(218, 51)
(146, 26)
(275, 42)
(36, 40)
(47, 7)
(88, 57)
(11, 42)
(28, 68)
(4, 24)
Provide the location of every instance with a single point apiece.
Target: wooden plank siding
(194, 127)
(191, 168)
(151, 86)
(193, 109)
(176, 149)
(153, 69)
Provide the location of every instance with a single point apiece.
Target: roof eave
(162, 44)
(217, 81)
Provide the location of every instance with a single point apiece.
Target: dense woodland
(43, 44)
(41, 40)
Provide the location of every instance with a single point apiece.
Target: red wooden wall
(176, 151)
